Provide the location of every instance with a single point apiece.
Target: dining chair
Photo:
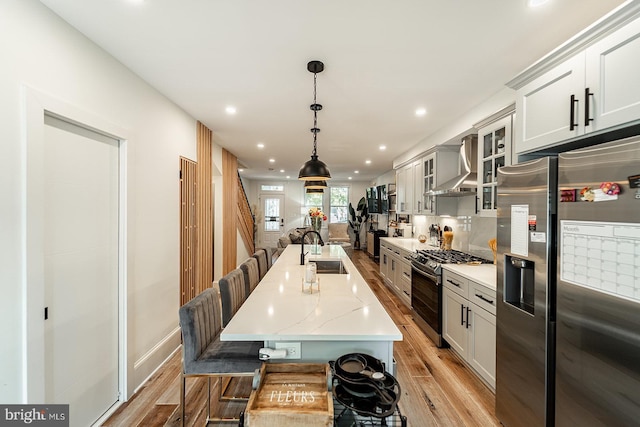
(204, 355)
(263, 264)
(233, 293)
(251, 273)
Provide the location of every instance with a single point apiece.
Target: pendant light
(314, 190)
(316, 185)
(314, 169)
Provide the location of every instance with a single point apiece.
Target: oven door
(426, 301)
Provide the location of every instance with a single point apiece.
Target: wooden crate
(291, 395)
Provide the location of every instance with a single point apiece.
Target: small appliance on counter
(404, 229)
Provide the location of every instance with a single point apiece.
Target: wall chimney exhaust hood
(465, 184)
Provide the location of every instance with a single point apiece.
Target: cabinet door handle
(588, 96)
(461, 315)
(468, 310)
(572, 113)
(453, 283)
(418, 205)
(485, 299)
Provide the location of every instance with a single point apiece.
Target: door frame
(261, 196)
(35, 105)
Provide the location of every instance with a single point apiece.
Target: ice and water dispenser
(519, 290)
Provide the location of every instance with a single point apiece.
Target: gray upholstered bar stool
(251, 274)
(204, 355)
(263, 263)
(233, 293)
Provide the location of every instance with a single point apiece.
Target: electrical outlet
(293, 349)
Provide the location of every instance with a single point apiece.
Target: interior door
(272, 225)
(81, 269)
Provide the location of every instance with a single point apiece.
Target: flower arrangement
(317, 213)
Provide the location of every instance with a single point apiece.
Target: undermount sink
(329, 267)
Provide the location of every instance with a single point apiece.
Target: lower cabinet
(395, 269)
(469, 323)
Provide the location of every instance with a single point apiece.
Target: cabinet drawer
(456, 283)
(483, 297)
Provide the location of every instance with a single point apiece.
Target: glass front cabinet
(494, 151)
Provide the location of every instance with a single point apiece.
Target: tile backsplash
(471, 234)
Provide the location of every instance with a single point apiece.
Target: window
(339, 204)
(313, 200)
(277, 187)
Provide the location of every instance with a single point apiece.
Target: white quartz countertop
(408, 244)
(345, 309)
(485, 274)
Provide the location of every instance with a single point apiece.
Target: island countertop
(345, 308)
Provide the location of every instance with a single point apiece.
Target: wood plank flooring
(437, 388)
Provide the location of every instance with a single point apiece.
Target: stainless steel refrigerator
(568, 314)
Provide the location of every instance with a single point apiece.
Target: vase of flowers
(316, 216)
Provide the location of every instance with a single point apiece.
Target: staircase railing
(246, 219)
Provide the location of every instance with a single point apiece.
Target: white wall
(40, 51)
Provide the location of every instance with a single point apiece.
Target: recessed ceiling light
(536, 3)
(288, 177)
(230, 109)
(356, 171)
(281, 170)
(368, 162)
(260, 145)
(240, 170)
(383, 147)
(421, 112)
(272, 160)
(350, 178)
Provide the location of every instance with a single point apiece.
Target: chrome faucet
(302, 254)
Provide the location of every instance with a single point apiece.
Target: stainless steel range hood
(465, 184)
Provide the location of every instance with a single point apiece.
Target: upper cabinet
(421, 175)
(494, 151)
(404, 189)
(596, 86)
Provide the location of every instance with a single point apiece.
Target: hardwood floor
(437, 388)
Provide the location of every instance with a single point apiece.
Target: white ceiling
(383, 59)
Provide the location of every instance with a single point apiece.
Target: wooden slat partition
(188, 230)
(204, 196)
(245, 219)
(229, 206)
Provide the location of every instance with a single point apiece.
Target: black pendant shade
(315, 190)
(314, 169)
(315, 184)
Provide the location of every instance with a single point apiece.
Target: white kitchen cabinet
(596, 88)
(454, 326)
(469, 323)
(481, 353)
(439, 167)
(395, 268)
(612, 79)
(404, 189)
(384, 261)
(418, 191)
(494, 151)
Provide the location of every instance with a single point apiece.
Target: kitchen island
(343, 317)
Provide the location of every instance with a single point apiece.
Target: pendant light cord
(315, 115)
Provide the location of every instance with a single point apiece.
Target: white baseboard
(152, 360)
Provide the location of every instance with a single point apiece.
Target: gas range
(430, 261)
